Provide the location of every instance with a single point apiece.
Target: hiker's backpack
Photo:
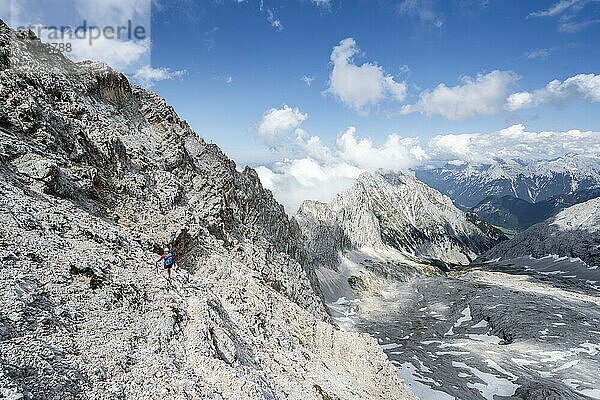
(169, 260)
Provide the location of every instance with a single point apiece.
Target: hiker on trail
(169, 261)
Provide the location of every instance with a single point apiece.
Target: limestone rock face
(96, 176)
(395, 211)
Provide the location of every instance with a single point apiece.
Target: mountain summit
(393, 211)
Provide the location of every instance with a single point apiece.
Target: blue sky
(439, 42)
(394, 84)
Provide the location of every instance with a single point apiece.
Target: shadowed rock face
(510, 212)
(96, 176)
(574, 232)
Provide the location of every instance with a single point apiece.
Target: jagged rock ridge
(393, 211)
(95, 177)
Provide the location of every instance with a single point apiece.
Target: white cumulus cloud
(121, 55)
(320, 171)
(360, 86)
(513, 142)
(278, 121)
(394, 154)
(91, 30)
(147, 76)
(482, 95)
(582, 86)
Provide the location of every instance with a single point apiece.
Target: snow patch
(485, 338)
(492, 386)
(414, 380)
(566, 365)
(481, 324)
(466, 316)
(390, 346)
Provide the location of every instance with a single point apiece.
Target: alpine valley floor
(519, 329)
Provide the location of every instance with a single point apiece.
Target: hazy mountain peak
(532, 181)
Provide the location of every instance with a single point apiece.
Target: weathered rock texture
(95, 177)
(384, 211)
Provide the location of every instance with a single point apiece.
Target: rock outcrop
(95, 177)
(384, 211)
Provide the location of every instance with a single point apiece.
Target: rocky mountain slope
(513, 213)
(514, 330)
(392, 211)
(96, 176)
(574, 232)
(468, 184)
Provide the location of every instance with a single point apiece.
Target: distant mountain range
(515, 194)
(470, 184)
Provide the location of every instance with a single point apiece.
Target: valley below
(522, 328)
